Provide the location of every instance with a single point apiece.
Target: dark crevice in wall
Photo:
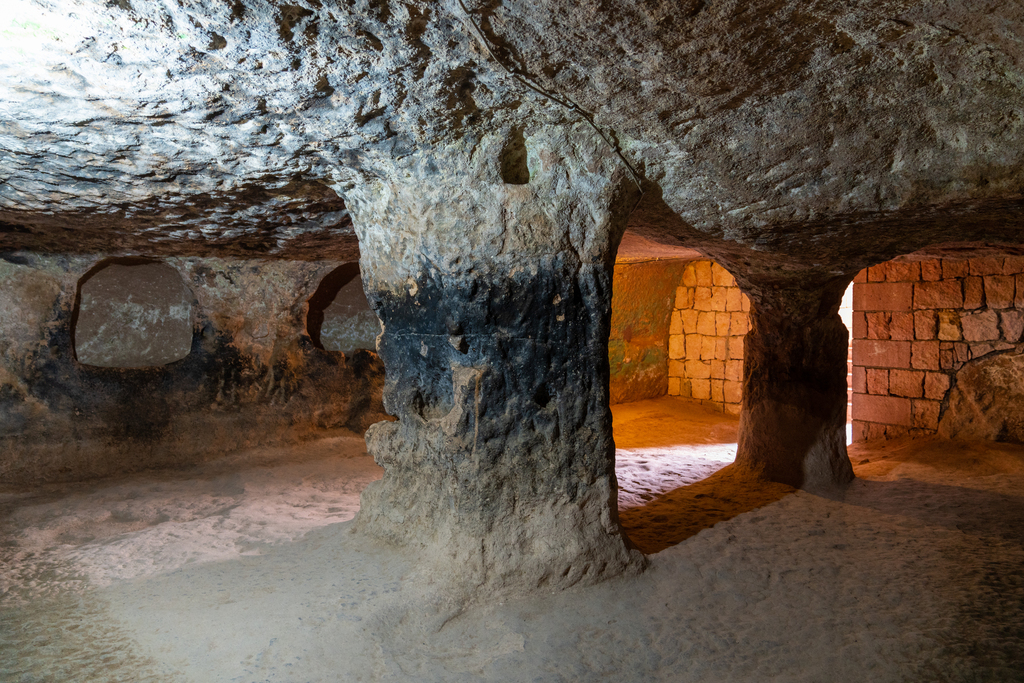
(514, 167)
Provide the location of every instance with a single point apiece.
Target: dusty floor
(245, 573)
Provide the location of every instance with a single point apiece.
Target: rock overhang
(775, 132)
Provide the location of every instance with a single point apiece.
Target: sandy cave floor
(243, 570)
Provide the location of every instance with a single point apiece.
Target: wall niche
(340, 317)
(132, 313)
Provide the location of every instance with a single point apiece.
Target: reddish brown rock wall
(642, 296)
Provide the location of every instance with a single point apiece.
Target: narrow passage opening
(676, 358)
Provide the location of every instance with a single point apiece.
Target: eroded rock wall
(251, 377)
(642, 294)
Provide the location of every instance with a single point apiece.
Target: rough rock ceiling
(826, 135)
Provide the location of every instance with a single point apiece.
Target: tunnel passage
(132, 313)
(339, 317)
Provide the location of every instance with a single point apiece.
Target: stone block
(718, 390)
(936, 384)
(926, 414)
(702, 269)
(693, 344)
(859, 379)
(947, 359)
(981, 349)
(721, 277)
(1018, 299)
(734, 299)
(707, 348)
(675, 325)
(738, 324)
(903, 271)
(734, 370)
(1013, 265)
(877, 381)
(986, 266)
(700, 388)
(906, 383)
(961, 352)
(974, 293)
(877, 273)
(1012, 325)
(878, 325)
(717, 369)
(861, 277)
(746, 303)
(718, 298)
(676, 346)
(722, 321)
(999, 291)
(860, 325)
(940, 294)
(722, 347)
(883, 296)
(696, 369)
(733, 392)
(981, 326)
(882, 354)
(690, 275)
(702, 298)
(689, 319)
(674, 386)
(901, 326)
(685, 388)
(949, 326)
(925, 325)
(735, 350)
(706, 323)
(882, 409)
(676, 368)
(733, 408)
(925, 355)
(931, 270)
(952, 268)
(684, 297)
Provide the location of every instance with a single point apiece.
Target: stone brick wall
(915, 325)
(705, 344)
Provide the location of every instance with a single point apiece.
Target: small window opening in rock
(340, 317)
(514, 167)
(132, 313)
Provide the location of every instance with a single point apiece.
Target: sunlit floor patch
(646, 473)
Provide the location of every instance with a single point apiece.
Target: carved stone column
(793, 423)
(494, 300)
